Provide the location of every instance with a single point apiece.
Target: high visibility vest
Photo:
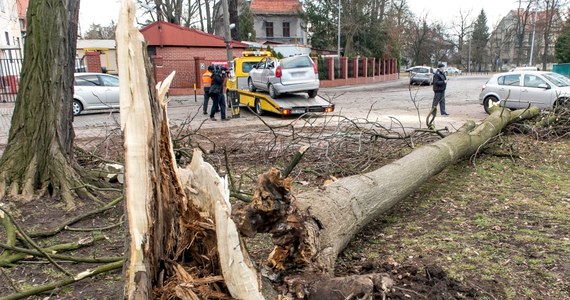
(206, 79)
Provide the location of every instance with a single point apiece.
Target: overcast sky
(447, 10)
(103, 11)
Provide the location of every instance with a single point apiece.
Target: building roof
(162, 33)
(96, 44)
(275, 6)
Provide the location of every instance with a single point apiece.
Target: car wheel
(258, 109)
(312, 93)
(489, 102)
(562, 103)
(272, 91)
(250, 85)
(77, 107)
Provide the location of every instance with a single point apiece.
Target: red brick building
(187, 51)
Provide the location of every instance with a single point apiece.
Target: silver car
(519, 89)
(289, 75)
(421, 75)
(95, 91)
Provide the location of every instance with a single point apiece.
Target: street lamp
(532, 41)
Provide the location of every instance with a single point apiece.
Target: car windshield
(296, 62)
(421, 70)
(557, 79)
(247, 66)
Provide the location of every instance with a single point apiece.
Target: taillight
(278, 72)
(315, 69)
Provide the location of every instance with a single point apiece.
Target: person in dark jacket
(439, 86)
(217, 94)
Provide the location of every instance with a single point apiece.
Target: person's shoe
(226, 119)
(205, 113)
(212, 119)
(445, 114)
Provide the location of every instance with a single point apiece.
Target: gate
(10, 67)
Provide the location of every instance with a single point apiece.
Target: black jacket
(217, 83)
(439, 83)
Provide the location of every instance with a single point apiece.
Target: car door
(111, 86)
(535, 91)
(257, 72)
(90, 90)
(268, 73)
(509, 89)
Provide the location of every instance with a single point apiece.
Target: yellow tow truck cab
(238, 92)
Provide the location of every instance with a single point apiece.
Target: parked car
(452, 71)
(95, 91)
(421, 75)
(519, 89)
(288, 75)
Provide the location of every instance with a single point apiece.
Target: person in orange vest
(206, 83)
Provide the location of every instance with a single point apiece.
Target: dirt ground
(495, 226)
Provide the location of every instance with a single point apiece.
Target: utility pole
(338, 32)
(532, 42)
(227, 34)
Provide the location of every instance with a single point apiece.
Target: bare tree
(461, 29)
(522, 21)
(551, 25)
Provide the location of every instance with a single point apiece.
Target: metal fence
(10, 66)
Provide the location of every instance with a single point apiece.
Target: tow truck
(292, 104)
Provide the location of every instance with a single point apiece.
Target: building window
(286, 29)
(2, 6)
(269, 29)
(7, 35)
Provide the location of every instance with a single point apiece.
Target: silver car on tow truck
(293, 74)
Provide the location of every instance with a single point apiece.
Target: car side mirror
(544, 86)
(271, 65)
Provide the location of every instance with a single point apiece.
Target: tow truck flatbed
(287, 104)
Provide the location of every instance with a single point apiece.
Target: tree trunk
(319, 224)
(173, 229)
(344, 207)
(38, 157)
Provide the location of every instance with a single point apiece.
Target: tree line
(389, 28)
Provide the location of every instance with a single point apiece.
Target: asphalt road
(390, 103)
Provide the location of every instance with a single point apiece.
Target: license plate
(298, 111)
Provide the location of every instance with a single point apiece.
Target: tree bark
(38, 157)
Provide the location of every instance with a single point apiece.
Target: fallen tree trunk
(344, 207)
(319, 224)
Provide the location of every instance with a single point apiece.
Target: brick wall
(183, 61)
(93, 61)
